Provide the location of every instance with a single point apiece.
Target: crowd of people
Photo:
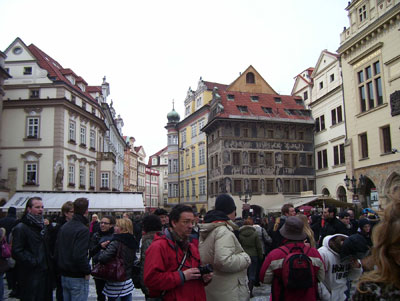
(181, 255)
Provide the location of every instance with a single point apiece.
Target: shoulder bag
(113, 270)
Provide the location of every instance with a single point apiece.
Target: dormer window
(362, 13)
(243, 109)
(299, 101)
(250, 79)
(82, 87)
(27, 70)
(71, 79)
(254, 98)
(267, 110)
(231, 97)
(277, 99)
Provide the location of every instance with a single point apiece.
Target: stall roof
(98, 201)
(313, 200)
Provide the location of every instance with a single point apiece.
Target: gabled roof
(300, 77)
(211, 85)
(56, 72)
(334, 56)
(160, 152)
(266, 107)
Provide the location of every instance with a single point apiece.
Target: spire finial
(173, 104)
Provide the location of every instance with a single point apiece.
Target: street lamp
(354, 187)
(246, 197)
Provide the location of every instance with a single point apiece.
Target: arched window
(325, 192)
(341, 194)
(250, 78)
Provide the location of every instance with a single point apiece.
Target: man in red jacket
(171, 267)
(272, 270)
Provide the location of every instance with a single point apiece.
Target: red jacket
(271, 272)
(160, 270)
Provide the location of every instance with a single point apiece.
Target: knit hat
(12, 210)
(354, 246)
(225, 203)
(362, 222)
(293, 229)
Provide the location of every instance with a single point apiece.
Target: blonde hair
(277, 222)
(307, 229)
(386, 249)
(3, 233)
(125, 225)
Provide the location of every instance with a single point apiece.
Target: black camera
(206, 269)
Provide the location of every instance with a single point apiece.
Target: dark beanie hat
(362, 222)
(12, 210)
(225, 203)
(354, 246)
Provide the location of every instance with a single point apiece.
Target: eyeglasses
(104, 223)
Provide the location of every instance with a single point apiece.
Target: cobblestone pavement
(261, 293)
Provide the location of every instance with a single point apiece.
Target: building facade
(159, 162)
(259, 144)
(326, 104)
(130, 166)
(370, 58)
(152, 189)
(141, 169)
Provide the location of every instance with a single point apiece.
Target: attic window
(267, 110)
(27, 70)
(299, 101)
(305, 112)
(278, 99)
(231, 97)
(250, 79)
(254, 98)
(242, 109)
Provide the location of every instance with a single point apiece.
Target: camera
(206, 269)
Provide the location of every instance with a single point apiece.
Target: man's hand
(207, 277)
(191, 274)
(104, 244)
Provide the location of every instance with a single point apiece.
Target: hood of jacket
(127, 239)
(247, 230)
(355, 246)
(325, 242)
(206, 229)
(215, 215)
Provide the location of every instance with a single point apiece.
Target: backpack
(297, 269)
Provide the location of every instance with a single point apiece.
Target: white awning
(98, 201)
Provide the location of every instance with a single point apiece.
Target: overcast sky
(152, 51)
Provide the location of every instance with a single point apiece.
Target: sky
(152, 51)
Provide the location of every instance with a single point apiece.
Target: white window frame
(71, 174)
(31, 167)
(32, 127)
(202, 156)
(92, 178)
(92, 139)
(194, 129)
(82, 176)
(82, 135)
(202, 186)
(72, 130)
(105, 180)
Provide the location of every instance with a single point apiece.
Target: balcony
(106, 157)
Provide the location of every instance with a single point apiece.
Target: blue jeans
(75, 289)
(124, 298)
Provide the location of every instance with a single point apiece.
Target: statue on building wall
(227, 157)
(263, 186)
(59, 176)
(279, 185)
(228, 185)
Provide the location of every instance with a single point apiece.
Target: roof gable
(13, 54)
(302, 80)
(325, 60)
(252, 82)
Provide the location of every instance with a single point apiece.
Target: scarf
(36, 220)
(183, 243)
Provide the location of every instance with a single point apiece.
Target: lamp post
(354, 189)
(246, 197)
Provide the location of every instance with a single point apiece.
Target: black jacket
(8, 223)
(72, 248)
(95, 243)
(129, 246)
(332, 226)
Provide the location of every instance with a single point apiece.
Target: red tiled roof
(288, 108)
(93, 89)
(56, 72)
(211, 85)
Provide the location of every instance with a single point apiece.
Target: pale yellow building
(370, 59)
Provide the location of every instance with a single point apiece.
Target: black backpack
(297, 269)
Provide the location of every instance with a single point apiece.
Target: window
(370, 87)
(92, 139)
(286, 186)
(386, 140)
(202, 186)
(305, 95)
(199, 102)
(277, 100)
(187, 188)
(193, 157)
(270, 134)
(267, 110)
(269, 159)
(269, 185)
(27, 70)
(201, 124)
(172, 139)
(294, 160)
(34, 93)
(82, 177)
(154, 161)
(32, 130)
(105, 180)
(242, 109)
(338, 154)
(286, 160)
(321, 85)
(253, 159)
(250, 79)
(187, 110)
(332, 77)
(254, 186)
(194, 129)
(322, 157)
(72, 132)
(363, 145)
(183, 136)
(201, 155)
(193, 187)
(309, 160)
(83, 135)
(71, 175)
(236, 158)
(73, 99)
(175, 165)
(31, 174)
(182, 162)
(320, 123)
(231, 97)
(91, 178)
(337, 116)
(297, 185)
(245, 133)
(237, 186)
(254, 98)
(362, 13)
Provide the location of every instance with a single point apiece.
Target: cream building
(370, 58)
(326, 104)
(52, 127)
(159, 162)
(141, 169)
(130, 166)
